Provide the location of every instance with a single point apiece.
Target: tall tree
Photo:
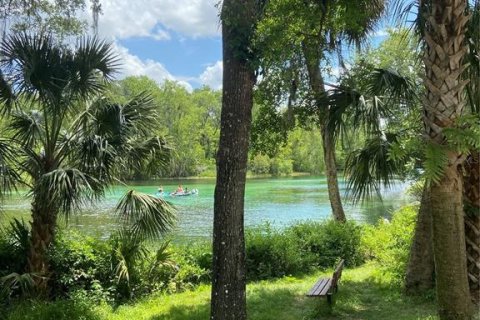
(445, 48)
(239, 18)
(316, 32)
(71, 144)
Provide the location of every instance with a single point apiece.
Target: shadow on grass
(355, 300)
(368, 299)
(185, 312)
(58, 310)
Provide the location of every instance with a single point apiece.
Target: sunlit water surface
(278, 201)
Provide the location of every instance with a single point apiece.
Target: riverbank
(212, 175)
(361, 296)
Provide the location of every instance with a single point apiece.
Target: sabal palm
(471, 193)
(70, 144)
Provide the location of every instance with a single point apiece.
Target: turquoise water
(279, 201)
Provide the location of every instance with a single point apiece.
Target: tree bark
(44, 221)
(472, 221)
(449, 247)
(317, 85)
(444, 102)
(420, 274)
(328, 146)
(229, 276)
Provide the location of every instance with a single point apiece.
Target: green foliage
(328, 241)
(271, 254)
(191, 120)
(14, 245)
(260, 164)
(58, 17)
(358, 298)
(81, 263)
(300, 248)
(59, 310)
(435, 161)
(388, 243)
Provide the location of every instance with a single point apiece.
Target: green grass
(359, 297)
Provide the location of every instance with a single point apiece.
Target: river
(278, 201)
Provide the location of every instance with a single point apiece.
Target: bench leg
(329, 299)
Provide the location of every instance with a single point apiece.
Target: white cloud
(156, 18)
(131, 65)
(212, 76)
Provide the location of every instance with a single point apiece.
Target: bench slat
(326, 289)
(315, 286)
(321, 287)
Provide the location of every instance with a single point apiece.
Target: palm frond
(150, 155)
(35, 65)
(27, 127)
(370, 168)
(38, 68)
(7, 97)
(93, 63)
(145, 215)
(390, 83)
(9, 160)
(95, 156)
(68, 189)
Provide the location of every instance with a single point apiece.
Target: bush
(270, 254)
(326, 242)
(80, 263)
(297, 249)
(280, 167)
(388, 243)
(260, 164)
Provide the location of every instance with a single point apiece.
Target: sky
(168, 39)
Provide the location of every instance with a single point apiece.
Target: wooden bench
(326, 287)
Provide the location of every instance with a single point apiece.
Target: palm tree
(71, 144)
(472, 163)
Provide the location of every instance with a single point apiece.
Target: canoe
(177, 194)
(184, 194)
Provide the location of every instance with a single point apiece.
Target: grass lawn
(359, 297)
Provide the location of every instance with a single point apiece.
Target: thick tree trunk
(444, 102)
(449, 246)
(44, 221)
(420, 274)
(317, 85)
(472, 222)
(229, 276)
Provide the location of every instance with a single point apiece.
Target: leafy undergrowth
(359, 297)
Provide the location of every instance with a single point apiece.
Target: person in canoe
(179, 189)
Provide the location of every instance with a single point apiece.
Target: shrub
(80, 263)
(326, 242)
(270, 254)
(260, 164)
(280, 167)
(388, 243)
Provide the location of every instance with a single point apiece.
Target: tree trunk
(445, 48)
(420, 274)
(229, 276)
(42, 235)
(472, 222)
(449, 247)
(312, 59)
(331, 173)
